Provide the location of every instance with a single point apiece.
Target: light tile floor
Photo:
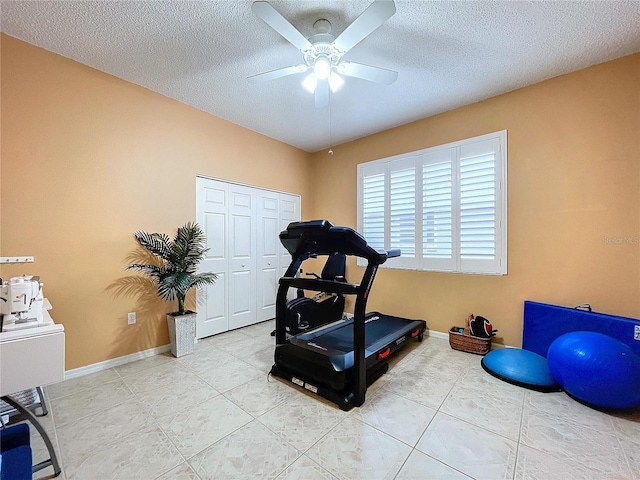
(435, 415)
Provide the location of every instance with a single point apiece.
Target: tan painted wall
(573, 183)
(87, 159)
(1, 37)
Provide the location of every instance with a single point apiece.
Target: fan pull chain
(330, 152)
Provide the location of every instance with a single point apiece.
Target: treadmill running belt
(377, 327)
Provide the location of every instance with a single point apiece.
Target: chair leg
(43, 404)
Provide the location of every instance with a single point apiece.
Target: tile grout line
(524, 401)
(438, 410)
(622, 449)
(137, 401)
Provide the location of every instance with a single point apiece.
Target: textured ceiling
(447, 53)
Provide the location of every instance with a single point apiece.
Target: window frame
(430, 156)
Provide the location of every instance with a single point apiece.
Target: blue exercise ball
(596, 369)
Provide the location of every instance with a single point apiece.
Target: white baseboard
(114, 362)
(434, 334)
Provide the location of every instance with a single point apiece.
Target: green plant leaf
(175, 286)
(189, 247)
(180, 257)
(158, 244)
(152, 271)
(201, 279)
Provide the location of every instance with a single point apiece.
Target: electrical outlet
(131, 318)
(636, 332)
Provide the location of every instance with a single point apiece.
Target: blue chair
(15, 453)
(12, 405)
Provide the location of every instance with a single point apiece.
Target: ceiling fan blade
(378, 12)
(322, 93)
(367, 72)
(280, 72)
(272, 17)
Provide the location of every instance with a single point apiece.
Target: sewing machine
(22, 304)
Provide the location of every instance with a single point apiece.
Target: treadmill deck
(323, 358)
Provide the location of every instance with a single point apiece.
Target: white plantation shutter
(444, 207)
(437, 211)
(372, 197)
(373, 210)
(478, 205)
(480, 201)
(402, 211)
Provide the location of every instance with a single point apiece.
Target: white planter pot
(182, 333)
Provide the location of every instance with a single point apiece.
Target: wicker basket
(466, 342)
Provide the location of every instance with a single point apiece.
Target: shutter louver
(478, 207)
(437, 226)
(402, 211)
(373, 210)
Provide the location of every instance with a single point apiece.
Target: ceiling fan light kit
(322, 68)
(335, 82)
(310, 83)
(322, 52)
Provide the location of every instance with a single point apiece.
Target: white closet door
(242, 256)
(242, 225)
(268, 246)
(212, 199)
(289, 212)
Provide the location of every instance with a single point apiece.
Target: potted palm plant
(175, 272)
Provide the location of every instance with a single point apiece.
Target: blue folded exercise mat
(544, 323)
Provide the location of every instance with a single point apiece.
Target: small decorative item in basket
(475, 337)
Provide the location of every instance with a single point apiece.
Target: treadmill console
(320, 237)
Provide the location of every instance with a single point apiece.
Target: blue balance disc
(520, 367)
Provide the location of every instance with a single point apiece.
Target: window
(444, 207)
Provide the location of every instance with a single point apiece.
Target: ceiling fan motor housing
(321, 47)
(322, 26)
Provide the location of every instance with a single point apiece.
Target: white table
(29, 358)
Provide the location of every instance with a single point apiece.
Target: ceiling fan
(323, 52)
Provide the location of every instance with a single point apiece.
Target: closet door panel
(212, 301)
(289, 207)
(242, 256)
(268, 252)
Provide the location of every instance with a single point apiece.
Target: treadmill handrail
(394, 252)
(319, 285)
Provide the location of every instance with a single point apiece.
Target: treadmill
(340, 360)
